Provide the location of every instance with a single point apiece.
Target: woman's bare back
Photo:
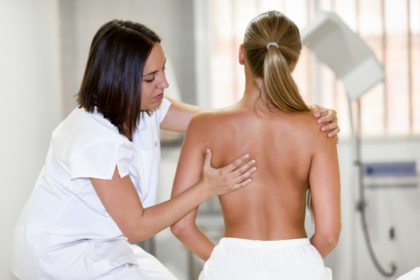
(272, 207)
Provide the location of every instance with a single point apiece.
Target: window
(390, 27)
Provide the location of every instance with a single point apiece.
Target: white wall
(30, 104)
(171, 20)
(386, 207)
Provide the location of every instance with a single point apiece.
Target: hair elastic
(272, 44)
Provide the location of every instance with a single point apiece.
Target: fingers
(237, 163)
(328, 119)
(329, 126)
(316, 111)
(241, 184)
(323, 115)
(332, 129)
(334, 133)
(239, 173)
(249, 166)
(327, 116)
(230, 177)
(245, 175)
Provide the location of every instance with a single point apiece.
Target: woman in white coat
(86, 210)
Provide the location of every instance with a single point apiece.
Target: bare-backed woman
(265, 237)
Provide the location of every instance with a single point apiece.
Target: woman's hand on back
(228, 178)
(327, 118)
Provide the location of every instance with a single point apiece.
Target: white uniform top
(64, 231)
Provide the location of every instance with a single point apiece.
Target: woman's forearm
(194, 239)
(179, 116)
(160, 216)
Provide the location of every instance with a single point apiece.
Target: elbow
(335, 236)
(331, 238)
(179, 229)
(132, 240)
(326, 241)
(134, 237)
(137, 234)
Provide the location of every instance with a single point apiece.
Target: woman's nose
(164, 82)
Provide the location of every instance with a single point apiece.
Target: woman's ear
(241, 54)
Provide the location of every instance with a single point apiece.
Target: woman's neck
(252, 98)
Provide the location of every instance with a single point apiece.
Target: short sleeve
(99, 159)
(163, 109)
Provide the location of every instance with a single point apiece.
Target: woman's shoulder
(86, 124)
(302, 127)
(306, 127)
(81, 129)
(205, 117)
(224, 114)
(304, 121)
(207, 121)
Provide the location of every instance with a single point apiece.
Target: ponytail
(272, 45)
(280, 87)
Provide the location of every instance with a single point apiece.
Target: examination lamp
(336, 45)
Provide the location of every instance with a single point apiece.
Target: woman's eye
(149, 80)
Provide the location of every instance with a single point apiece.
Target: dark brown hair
(112, 78)
(273, 62)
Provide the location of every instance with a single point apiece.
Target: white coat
(64, 231)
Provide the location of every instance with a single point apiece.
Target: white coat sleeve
(99, 159)
(163, 110)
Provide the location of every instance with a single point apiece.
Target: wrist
(203, 190)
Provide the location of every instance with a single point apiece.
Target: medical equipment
(355, 64)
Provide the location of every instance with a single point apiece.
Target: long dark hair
(112, 78)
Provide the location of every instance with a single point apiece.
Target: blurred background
(43, 49)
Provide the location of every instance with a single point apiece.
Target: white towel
(412, 275)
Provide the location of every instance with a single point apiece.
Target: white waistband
(261, 244)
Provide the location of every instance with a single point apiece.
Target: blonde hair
(272, 46)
